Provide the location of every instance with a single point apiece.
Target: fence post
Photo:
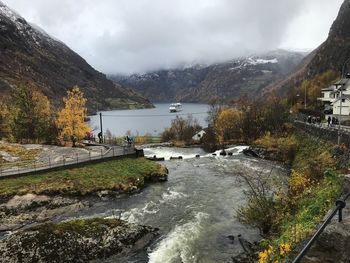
(77, 157)
(89, 155)
(63, 160)
(101, 153)
(34, 165)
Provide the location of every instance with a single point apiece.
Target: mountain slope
(331, 55)
(227, 81)
(27, 53)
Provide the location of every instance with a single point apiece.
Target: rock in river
(74, 241)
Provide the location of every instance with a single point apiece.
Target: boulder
(74, 241)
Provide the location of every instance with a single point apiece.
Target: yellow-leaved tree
(227, 125)
(71, 119)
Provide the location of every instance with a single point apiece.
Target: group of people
(313, 120)
(90, 137)
(129, 140)
(332, 121)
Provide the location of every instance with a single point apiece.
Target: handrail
(340, 204)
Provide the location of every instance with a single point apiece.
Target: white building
(198, 136)
(331, 98)
(345, 106)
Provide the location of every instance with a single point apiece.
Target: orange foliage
(71, 119)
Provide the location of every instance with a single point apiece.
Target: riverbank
(119, 176)
(36, 199)
(298, 207)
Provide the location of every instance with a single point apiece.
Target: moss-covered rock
(74, 241)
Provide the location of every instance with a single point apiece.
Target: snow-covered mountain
(226, 81)
(28, 53)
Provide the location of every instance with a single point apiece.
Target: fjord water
(194, 210)
(143, 121)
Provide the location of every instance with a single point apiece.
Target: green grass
(124, 174)
(86, 227)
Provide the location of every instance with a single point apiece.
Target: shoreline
(35, 207)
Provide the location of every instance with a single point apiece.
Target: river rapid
(194, 210)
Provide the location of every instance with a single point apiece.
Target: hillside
(228, 80)
(330, 55)
(27, 53)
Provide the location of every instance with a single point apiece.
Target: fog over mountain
(137, 36)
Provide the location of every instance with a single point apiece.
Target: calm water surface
(151, 121)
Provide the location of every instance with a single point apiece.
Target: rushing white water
(187, 153)
(177, 245)
(135, 215)
(194, 210)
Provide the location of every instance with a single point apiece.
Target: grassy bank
(124, 175)
(313, 186)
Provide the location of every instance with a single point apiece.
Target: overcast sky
(129, 36)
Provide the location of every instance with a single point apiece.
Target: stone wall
(329, 134)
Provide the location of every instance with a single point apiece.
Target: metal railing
(340, 204)
(50, 162)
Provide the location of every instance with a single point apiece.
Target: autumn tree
(71, 119)
(228, 125)
(181, 129)
(30, 116)
(313, 86)
(5, 121)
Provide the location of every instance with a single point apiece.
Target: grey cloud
(127, 36)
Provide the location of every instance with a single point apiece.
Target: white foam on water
(178, 245)
(166, 153)
(135, 215)
(171, 195)
(235, 150)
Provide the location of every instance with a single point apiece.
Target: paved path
(344, 129)
(47, 164)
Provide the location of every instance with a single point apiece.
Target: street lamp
(340, 89)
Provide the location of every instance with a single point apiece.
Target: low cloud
(142, 35)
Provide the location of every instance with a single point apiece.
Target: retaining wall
(329, 134)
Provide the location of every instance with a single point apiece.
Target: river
(194, 210)
(146, 121)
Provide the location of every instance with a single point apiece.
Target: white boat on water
(175, 107)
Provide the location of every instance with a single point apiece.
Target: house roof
(342, 83)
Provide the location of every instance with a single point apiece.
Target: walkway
(48, 164)
(327, 133)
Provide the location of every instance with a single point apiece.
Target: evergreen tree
(31, 114)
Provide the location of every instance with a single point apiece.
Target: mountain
(330, 55)
(202, 83)
(27, 53)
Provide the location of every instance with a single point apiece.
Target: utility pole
(339, 119)
(101, 125)
(305, 98)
